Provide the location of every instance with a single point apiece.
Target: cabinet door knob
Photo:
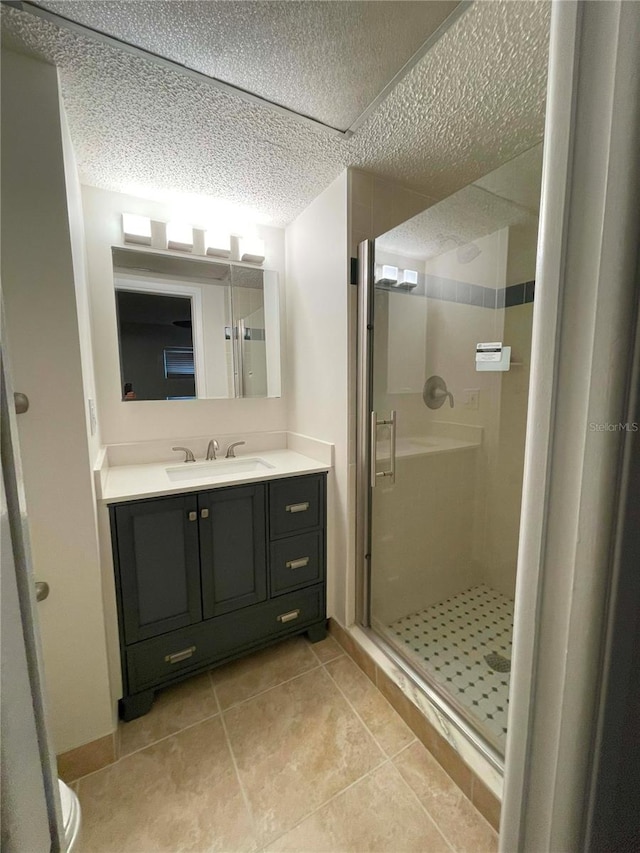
(193, 515)
(176, 657)
(289, 617)
(303, 507)
(204, 513)
(300, 563)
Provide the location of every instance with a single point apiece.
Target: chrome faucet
(212, 449)
(230, 454)
(189, 457)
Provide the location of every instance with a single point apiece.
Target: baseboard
(87, 758)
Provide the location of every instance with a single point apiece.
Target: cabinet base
(136, 705)
(318, 632)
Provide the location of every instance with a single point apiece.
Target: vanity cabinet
(204, 577)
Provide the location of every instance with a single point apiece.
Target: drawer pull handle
(204, 513)
(289, 617)
(178, 656)
(300, 563)
(303, 507)
(193, 515)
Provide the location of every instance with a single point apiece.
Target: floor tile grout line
(383, 756)
(243, 791)
(353, 708)
(268, 689)
(323, 662)
(147, 746)
(427, 812)
(460, 793)
(329, 800)
(208, 717)
(408, 746)
(173, 734)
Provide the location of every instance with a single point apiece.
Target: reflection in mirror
(250, 356)
(190, 327)
(156, 346)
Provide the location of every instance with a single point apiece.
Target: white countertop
(134, 482)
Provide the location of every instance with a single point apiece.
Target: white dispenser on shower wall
(492, 356)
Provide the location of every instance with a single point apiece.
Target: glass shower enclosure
(445, 315)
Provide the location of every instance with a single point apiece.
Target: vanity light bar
(184, 237)
(179, 236)
(136, 229)
(388, 276)
(217, 243)
(252, 250)
(409, 277)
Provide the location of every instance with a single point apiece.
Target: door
(158, 565)
(445, 346)
(31, 814)
(232, 548)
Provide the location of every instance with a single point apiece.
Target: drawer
(296, 561)
(156, 661)
(160, 659)
(296, 504)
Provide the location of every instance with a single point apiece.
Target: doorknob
(42, 590)
(21, 402)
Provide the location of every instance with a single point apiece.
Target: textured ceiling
(473, 102)
(328, 60)
(510, 195)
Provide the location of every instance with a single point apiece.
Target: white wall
(45, 350)
(146, 420)
(317, 295)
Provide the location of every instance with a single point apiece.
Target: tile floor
(450, 640)
(290, 749)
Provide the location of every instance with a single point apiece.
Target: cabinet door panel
(157, 547)
(232, 548)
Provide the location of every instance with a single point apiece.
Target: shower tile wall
(425, 553)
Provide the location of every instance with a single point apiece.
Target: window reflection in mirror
(190, 327)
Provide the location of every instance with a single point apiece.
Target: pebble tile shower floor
(290, 749)
(451, 640)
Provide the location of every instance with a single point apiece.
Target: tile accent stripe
(449, 290)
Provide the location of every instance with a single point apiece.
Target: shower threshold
(450, 642)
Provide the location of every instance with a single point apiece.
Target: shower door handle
(375, 423)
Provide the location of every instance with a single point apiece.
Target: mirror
(194, 328)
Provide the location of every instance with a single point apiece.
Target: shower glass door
(442, 433)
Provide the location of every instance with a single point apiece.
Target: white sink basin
(217, 468)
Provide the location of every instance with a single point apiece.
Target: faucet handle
(189, 457)
(230, 454)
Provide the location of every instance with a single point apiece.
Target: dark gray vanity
(207, 576)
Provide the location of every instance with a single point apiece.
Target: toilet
(71, 817)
